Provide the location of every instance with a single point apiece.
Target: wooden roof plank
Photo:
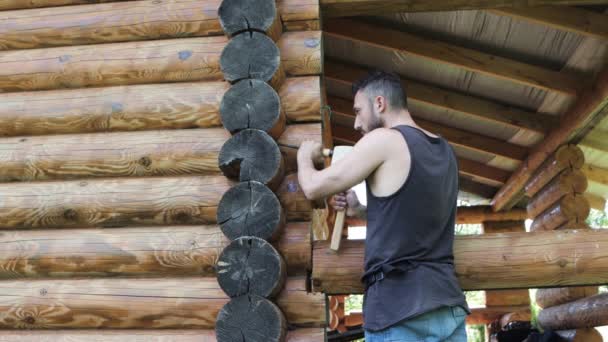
(591, 107)
(596, 174)
(455, 136)
(440, 98)
(460, 57)
(347, 8)
(568, 19)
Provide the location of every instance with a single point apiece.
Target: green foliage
(476, 333)
(597, 219)
(353, 303)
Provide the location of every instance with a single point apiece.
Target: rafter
(491, 175)
(440, 98)
(591, 107)
(460, 57)
(569, 19)
(596, 174)
(348, 8)
(341, 107)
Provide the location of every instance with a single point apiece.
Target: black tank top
(410, 236)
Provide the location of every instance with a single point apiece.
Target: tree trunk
(238, 16)
(173, 60)
(567, 156)
(251, 266)
(250, 318)
(252, 104)
(133, 252)
(486, 262)
(250, 209)
(139, 107)
(117, 202)
(158, 303)
(252, 155)
(570, 181)
(570, 208)
(587, 312)
(556, 296)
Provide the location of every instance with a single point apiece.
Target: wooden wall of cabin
(113, 119)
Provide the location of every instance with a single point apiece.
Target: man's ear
(380, 103)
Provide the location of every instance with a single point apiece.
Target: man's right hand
(347, 201)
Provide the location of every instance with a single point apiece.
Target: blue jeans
(446, 324)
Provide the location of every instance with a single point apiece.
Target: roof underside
(479, 55)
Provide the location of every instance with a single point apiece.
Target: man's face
(367, 116)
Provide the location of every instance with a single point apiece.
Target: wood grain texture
(144, 335)
(556, 296)
(480, 213)
(488, 261)
(435, 51)
(250, 318)
(143, 252)
(292, 198)
(95, 23)
(583, 313)
(290, 141)
(490, 227)
(238, 16)
(184, 303)
(112, 202)
(138, 107)
(424, 94)
(565, 157)
(488, 315)
(301, 53)
(569, 181)
(341, 8)
(568, 209)
(171, 60)
(507, 297)
(118, 154)
(18, 4)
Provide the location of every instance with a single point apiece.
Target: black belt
(369, 278)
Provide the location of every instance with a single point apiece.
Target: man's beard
(376, 122)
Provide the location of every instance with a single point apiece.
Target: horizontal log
(139, 107)
(556, 296)
(136, 303)
(125, 21)
(290, 141)
(566, 156)
(509, 226)
(144, 335)
(583, 313)
(580, 335)
(481, 213)
(507, 297)
(293, 200)
(568, 209)
(142, 252)
(488, 261)
(569, 181)
(172, 60)
(112, 202)
(488, 315)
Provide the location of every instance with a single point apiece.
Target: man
(412, 293)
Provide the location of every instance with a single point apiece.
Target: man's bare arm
(367, 155)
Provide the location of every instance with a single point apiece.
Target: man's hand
(347, 201)
(311, 150)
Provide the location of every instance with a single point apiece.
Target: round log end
(250, 55)
(250, 209)
(250, 318)
(250, 265)
(570, 156)
(252, 104)
(252, 155)
(237, 16)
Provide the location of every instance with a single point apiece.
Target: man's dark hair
(387, 84)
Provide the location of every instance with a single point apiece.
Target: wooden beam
(343, 109)
(590, 107)
(142, 335)
(570, 19)
(556, 296)
(492, 175)
(487, 315)
(595, 173)
(583, 313)
(456, 56)
(344, 8)
(488, 261)
(428, 95)
(596, 202)
(470, 186)
(143, 252)
(483, 213)
(179, 303)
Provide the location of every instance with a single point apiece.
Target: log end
(237, 16)
(250, 55)
(250, 209)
